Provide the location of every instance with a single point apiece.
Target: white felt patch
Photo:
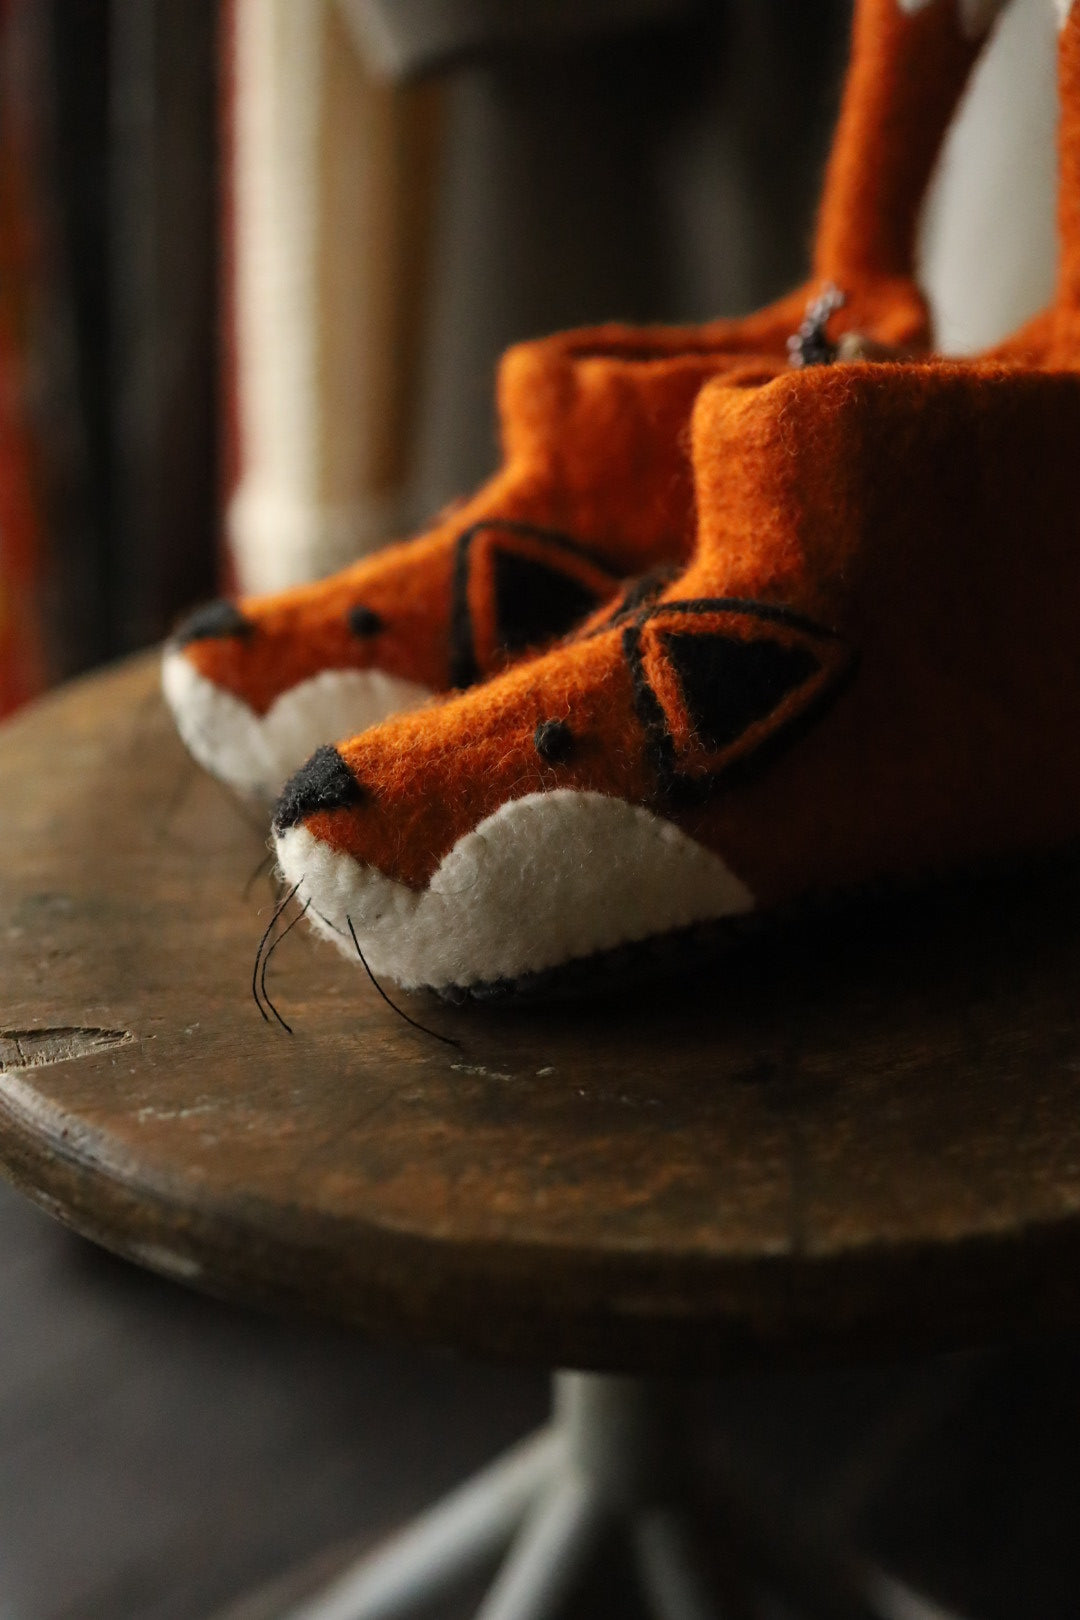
(1063, 9)
(976, 16)
(546, 879)
(256, 754)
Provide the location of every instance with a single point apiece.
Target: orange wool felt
(869, 670)
(1068, 292)
(595, 483)
(562, 419)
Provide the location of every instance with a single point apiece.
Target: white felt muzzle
(547, 879)
(256, 754)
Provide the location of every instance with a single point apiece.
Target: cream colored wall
(988, 256)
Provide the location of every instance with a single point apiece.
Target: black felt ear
(728, 683)
(534, 603)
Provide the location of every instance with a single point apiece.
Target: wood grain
(854, 1133)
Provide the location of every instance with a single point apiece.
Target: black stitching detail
(638, 594)
(554, 741)
(659, 747)
(464, 668)
(534, 531)
(644, 590)
(770, 611)
(679, 790)
(730, 683)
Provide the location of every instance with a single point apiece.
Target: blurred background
(257, 261)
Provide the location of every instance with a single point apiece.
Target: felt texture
(466, 927)
(905, 76)
(595, 485)
(868, 670)
(887, 571)
(595, 482)
(1068, 290)
(254, 754)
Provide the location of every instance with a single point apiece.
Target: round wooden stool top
(844, 1135)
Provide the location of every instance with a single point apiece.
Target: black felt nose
(324, 783)
(219, 618)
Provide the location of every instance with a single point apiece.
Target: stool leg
(550, 1553)
(818, 1579)
(451, 1540)
(616, 1456)
(673, 1584)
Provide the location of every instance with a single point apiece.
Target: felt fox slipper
(257, 685)
(870, 671)
(595, 484)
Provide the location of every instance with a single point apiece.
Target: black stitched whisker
(266, 963)
(447, 1039)
(262, 946)
(259, 870)
(333, 927)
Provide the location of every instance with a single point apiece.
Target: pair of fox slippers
(595, 487)
(255, 686)
(869, 670)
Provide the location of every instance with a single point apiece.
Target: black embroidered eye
(364, 621)
(554, 741)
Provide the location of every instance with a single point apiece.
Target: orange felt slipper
(595, 484)
(869, 672)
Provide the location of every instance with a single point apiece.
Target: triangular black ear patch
(533, 602)
(728, 683)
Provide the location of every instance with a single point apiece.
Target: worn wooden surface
(866, 1132)
(164, 1456)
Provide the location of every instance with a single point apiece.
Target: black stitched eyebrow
(773, 612)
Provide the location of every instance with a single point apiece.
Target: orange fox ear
(517, 586)
(721, 685)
